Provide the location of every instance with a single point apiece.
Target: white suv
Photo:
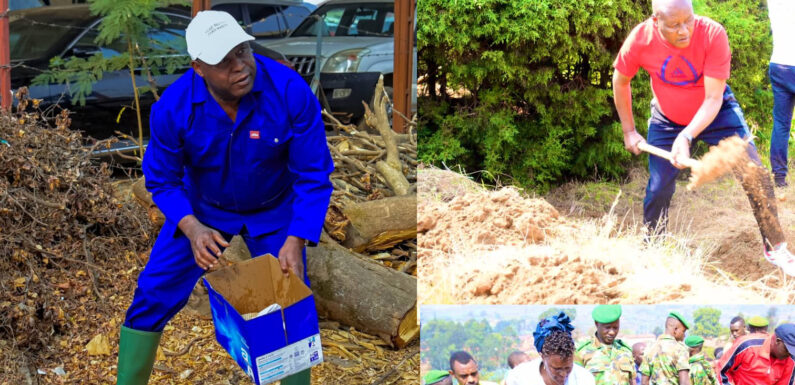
(357, 36)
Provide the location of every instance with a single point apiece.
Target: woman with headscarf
(556, 365)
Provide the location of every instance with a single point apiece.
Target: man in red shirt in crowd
(688, 59)
(759, 359)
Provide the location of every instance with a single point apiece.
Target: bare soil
(581, 245)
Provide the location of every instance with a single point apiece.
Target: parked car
(14, 5)
(357, 37)
(266, 19)
(36, 35)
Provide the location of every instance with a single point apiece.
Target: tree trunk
(363, 294)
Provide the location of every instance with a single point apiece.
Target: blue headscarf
(548, 325)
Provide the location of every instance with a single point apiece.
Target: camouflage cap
(605, 314)
(693, 341)
(758, 321)
(680, 317)
(434, 376)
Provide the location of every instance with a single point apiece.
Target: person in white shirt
(782, 80)
(556, 365)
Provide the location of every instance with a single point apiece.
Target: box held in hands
(271, 346)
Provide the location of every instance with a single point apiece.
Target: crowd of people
(754, 356)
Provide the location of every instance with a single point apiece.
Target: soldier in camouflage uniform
(606, 357)
(666, 361)
(701, 372)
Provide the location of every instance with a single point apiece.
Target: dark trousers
(662, 174)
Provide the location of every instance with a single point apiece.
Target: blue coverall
(266, 176)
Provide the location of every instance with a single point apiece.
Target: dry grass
(599, 253)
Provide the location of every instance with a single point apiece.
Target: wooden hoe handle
(643, 146)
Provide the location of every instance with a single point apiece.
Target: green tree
(489, 347)
(658, 331)
(125, 23)
(706, 322)
(525, 86)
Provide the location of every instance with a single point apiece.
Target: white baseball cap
(212, 34)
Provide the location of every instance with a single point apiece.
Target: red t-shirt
(748, 362)
(677, 75)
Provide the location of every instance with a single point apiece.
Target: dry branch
(391, 168)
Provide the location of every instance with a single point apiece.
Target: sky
(638, 318)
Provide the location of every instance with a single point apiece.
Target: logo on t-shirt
(678, 71)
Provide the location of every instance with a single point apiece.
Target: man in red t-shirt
(688, 59)
(759, 359)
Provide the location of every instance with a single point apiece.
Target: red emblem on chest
(253, 134)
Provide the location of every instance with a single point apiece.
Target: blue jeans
(663, 132)
(782, 79)
(166, 282)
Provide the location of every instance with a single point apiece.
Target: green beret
(605, 314)
(680, 317)
(693, 341)
(757, 321)
(434, 376)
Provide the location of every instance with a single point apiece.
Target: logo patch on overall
(253, 134)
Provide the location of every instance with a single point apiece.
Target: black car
(36, 35)
(266, 19)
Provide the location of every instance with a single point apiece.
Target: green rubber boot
(137, 351)
(300, 378)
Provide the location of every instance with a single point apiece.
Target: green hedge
(748, 27)
(530, 79)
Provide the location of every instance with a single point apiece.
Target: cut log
(380, 224)
(360, 293)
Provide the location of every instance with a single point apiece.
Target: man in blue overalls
(238, 146)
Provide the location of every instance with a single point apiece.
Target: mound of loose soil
(502, 247)
(560, 278)
(740, 255)
(501, 217)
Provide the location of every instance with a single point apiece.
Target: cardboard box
(274, 345)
